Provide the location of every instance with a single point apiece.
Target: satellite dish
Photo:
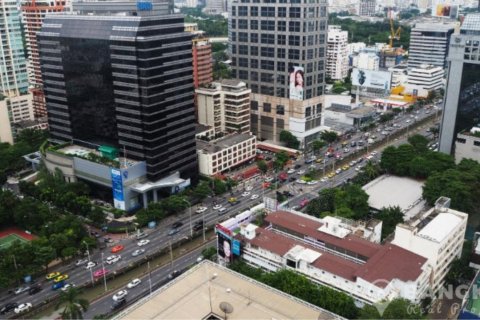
(226, 308)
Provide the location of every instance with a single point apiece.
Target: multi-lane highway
(160, 238)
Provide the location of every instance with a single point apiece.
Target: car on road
(254, 196)
(174, 274)
(269, 179)
(21, 289)
(233, 201)
(198, 225)
(312, 182)
(331, 175)
(249, 188)
(345, 167)
(300, 172)
(8, 307)
(60, 278)
(90, 265)
(120, 295)
(246, 194)
(353, 144)
(113, 259)
(34, 290)
(81, 262)
(52, 275)
(338, 171)
(177, 224)
(408, 121)
(290, 171)
(68, 286)
(134, 283)
(201, 209)
(297, 166)
(324, 179)
(138, 252)
(23, 308)
(58, 285)
(100, 273)
(173, 231)
(117, 248)
(118, 304)
(217, 206)
(300, 181)
(319, 160)
(143, 242)
(346, 150)
(221, 210)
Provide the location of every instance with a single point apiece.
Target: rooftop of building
(222, 143)
(387, 190)
(473, 132)
(199, 128)
(206, 288)
(384, 263)
(471, 24)
(436, 27)
(440, 226)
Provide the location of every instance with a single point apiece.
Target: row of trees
(332, 300)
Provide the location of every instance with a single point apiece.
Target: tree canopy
(290, 140)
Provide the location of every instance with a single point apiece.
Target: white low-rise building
(14, 110)
(467, 145)
(427, 77)
(332, 255)
(437, 235)
(219, 155)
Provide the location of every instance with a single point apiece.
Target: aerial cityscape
(239, 159)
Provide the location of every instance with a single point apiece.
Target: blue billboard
(236, 247)
(144, 6)
(117, 189)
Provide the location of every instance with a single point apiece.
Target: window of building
(254, 11)
(268, 90)
(234, 36)
(243, 62)
(242, 74)
(267, 107)
(281, 53)
(295, 12)
(319, 108)
(294, 26)
(282, 39)
(254, 24)
(281, 64)
(308, 112)
(293, 54)
(267, 65)
(254, 50)
(268, 25)
(243, 11)
(234, 23)
(234, 49)
(243, 37)
(282, 12)
(243, 49)
(280, 109)
(242, 24)
(254, 37)
(267, 38)
(254, 63)
(267, 11)
(266, 77)
(254, 75)
(267, 52)
(254, 88)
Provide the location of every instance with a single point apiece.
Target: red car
(117, 248)
(100, 273)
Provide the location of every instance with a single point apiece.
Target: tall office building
(429, 44)
(13, 64)
(278, 49)
(337, 56)
(462, 98)
(366, 8)
(202, 61)
(33, 13)
(124, 81)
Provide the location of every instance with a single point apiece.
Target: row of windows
(270, 65)
(280, 25)
(281, 1)
(282, 91)
(281, 12)
(281, 39)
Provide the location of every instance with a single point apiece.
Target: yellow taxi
(319, 160)
(61, 278)
(331, 175)
(52, 275)
(345, 167)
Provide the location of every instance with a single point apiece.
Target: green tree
(324, 203)
(74, 306)
(262, 166)
(174, 204)
(390, 217)
(281, 158)
(209, 253)
(419, 143)
(402, 309)
(354, 198)
(317, 145)
(329, 136)
(219, 187)
(202, 190)
(97, 216)
(290, 140)
(44, 253)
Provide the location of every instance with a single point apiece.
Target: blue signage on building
(144, 6)
(117, 189)
(236, 247)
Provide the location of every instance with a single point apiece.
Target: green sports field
(7, 241)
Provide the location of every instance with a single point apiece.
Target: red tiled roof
(272, 242)
(392, 262)
(338, 266)
(309, 227)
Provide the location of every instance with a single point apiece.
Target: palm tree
(371, 170)
(74, 305)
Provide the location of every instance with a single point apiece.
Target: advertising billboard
(224, 246)
(444, 9)
(117, 189)
(380, 80)
(297, 77)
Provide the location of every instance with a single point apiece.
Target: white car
(254, 196)
(249, 188)
(312, 166)
(113, 259)
(120, 295)
(324, 179)
(217, 206)
(199, 259)
(374, 153)
(143, 242)
(269, 179)
(313, 182)
(338, 171)
(246, 194)
(408, 121)
(300, 181)
(346, 150)
(290, 171)
(81, 262)
(68, 286)
(90, 265)
(138, 252)
(222, 209)
(134, 283)
(23, 307)
(201, 209)
(300, 172)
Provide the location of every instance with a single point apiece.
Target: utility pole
(104, 274)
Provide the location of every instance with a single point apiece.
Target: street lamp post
(149, 277)
(88, 255)
(104, 274)
(203, 225)
(190, 215)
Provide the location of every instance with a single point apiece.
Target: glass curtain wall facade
(124, 81)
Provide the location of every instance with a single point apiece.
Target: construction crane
(394, 34)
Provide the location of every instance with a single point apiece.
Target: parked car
(134, 283)
(23, 308)
(291, 170)
(138, 252)
(8, 307)
(120, 295)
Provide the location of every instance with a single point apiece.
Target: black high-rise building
(123, 81)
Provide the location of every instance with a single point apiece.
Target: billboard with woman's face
(297, 83)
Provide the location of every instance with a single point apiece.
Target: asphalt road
(159, 238)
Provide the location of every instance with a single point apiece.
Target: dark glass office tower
(462, 97)
(124, 81)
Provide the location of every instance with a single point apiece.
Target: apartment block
(337, 56)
